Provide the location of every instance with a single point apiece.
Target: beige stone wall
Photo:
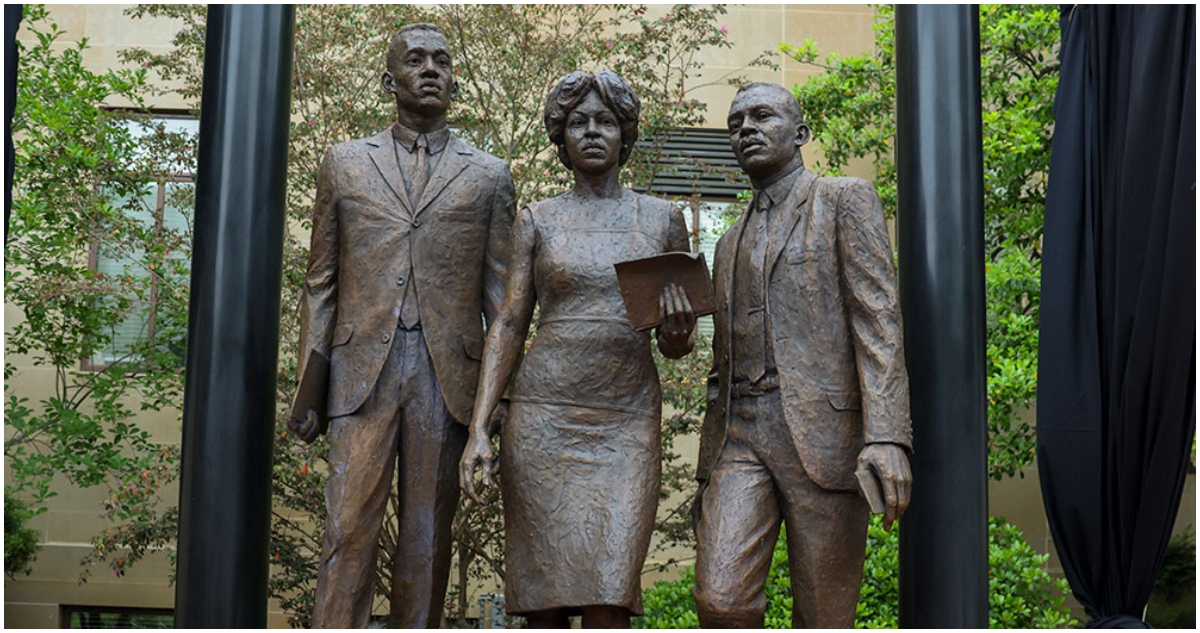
(754, 28)
(109, 31)
(844, 29)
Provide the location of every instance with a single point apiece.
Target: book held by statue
(642, 282)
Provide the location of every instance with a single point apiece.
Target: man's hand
(308, 429)
(477, 454)
(889, 462)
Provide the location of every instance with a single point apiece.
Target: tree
(851, 110)
(508, 57)
(80, 179)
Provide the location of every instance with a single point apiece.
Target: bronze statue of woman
(581, 442)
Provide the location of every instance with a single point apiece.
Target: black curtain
(12, 23)
(1116, 384)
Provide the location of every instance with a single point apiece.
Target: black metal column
(943, 539)
(233, 327)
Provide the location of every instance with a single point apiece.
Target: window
(83, 617)
(712, 223)
(154, 261)
(697, 167)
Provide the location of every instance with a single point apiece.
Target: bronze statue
(809, 383)
(581, 455)
(409, 244)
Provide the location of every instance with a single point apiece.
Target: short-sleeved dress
(581, 454)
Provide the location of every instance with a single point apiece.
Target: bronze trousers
(405, 421)
(757, 482)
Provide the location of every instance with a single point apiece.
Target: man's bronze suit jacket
(835, 319)
(365, 233)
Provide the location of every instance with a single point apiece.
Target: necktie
(419, 175)
(410, 314)
(758, 255)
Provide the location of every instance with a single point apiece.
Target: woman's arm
(505, 339)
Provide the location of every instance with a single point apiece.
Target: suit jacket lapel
(728, 257)
(790, 215)
(448, 167)
(384, 157)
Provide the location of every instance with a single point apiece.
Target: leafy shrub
(1173, 601)
(669, 604)
(1179, 565)
(20, 541)
(1021, 595)
(1020, 592)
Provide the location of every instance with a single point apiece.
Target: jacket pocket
(803, 257)
(473, 347)
(342, 334)
(458, 216)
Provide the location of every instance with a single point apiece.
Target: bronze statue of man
(409, 245)
(809, 383)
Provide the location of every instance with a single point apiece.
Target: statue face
(763, 131)
(593, 136)
(421, 76)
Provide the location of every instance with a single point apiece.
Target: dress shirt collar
(777, 191)
(408, 138)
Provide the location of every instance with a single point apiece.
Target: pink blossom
(312, 121)
(724, 30)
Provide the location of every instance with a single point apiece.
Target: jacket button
(400, 282)
(387, 337)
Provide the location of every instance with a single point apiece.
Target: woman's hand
(478, 453)
(676, 336)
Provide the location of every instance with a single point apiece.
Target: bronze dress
(581, 454)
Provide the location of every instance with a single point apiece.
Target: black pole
(939, 163)
(233, 326)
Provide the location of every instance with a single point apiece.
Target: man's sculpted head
(420, 74)
(766, 131)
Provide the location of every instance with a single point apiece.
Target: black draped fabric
(1116, 385)
(12, 22)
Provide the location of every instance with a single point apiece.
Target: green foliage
(1013, 297)
(1020, 592)
(1179, 565)
(20, 541)
(1173, 601)
(684, 384)
(669, 604)
(79, 177)
(1021, 595)
(851, 110)
(879, 595)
